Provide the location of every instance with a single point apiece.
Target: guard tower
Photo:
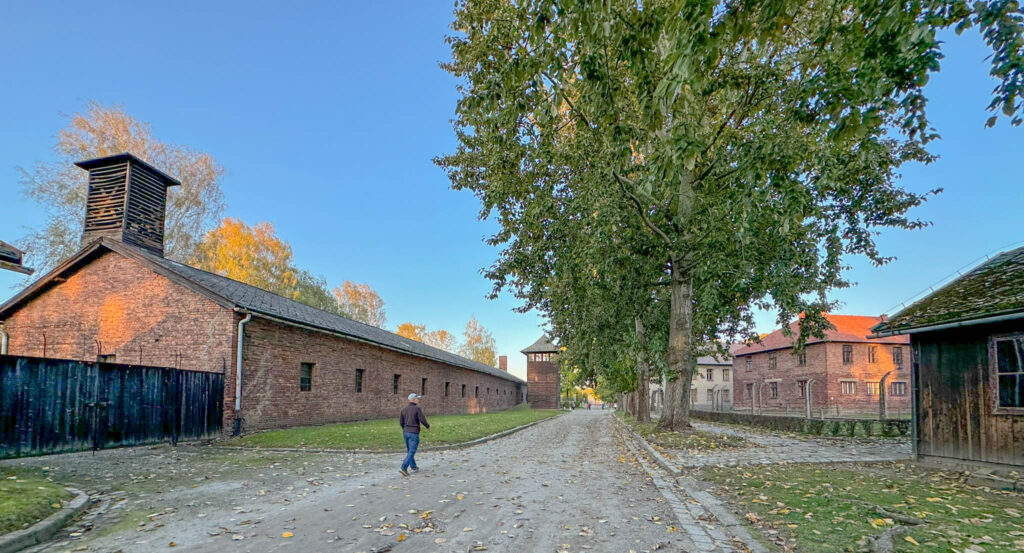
(544, 384)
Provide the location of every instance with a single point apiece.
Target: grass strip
(693, 441)
(825, 508)
(26, 497)
(385, 434)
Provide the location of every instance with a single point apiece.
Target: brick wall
(825, 365)
(271, 395)
(116, 305)
(142, 317)
(544, 386)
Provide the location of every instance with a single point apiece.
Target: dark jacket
(411, 419)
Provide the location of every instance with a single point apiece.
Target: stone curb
(461, 445)
(658, 457)
(722, 513)
(42, 530)
(735, 527)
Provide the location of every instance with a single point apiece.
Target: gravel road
(567, 484)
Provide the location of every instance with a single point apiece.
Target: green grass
(694, 441)
(819, 508)
(26, 498)
(385, 435)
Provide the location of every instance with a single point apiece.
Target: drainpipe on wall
(238, 372)
(4, 339)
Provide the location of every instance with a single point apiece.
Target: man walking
(410, 421)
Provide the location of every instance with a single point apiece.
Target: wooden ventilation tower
(127, 201)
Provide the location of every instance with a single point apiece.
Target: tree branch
(623, 182)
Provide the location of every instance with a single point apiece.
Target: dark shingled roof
(996, 287)
(232, 293)
(542, 345)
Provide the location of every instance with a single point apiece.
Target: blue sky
(327, 117)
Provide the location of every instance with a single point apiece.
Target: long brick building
(285, 363)
(841, 371)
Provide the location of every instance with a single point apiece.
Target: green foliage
(687, 162)
(385, 434)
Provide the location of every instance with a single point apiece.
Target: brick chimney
(503, 362)
(127, 201)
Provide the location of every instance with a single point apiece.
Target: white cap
(414, 396)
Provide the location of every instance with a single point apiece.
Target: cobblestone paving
(563, 485)
(774, 448)
(704, 531)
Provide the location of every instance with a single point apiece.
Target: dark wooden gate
(57, 405)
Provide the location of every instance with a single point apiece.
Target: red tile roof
(848, 328)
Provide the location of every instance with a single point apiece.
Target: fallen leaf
(287, 535)
(911, 540)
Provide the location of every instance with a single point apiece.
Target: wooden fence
(58, 405)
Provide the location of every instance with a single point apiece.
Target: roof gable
(847, 328)
(542, 345)
(996, 287)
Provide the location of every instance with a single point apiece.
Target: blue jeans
(412, 441)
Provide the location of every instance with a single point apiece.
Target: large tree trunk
(680, 348)
(643, 391)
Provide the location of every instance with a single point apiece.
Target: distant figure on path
(588, 406)
(410, 421)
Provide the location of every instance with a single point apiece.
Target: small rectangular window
(1010, 372)
(306, 377)
(725, 396)
(476, 391)
(463, 391)
(847, 388)
(872, 388)
(359, 381)
(750, 391)
(801, 359)
(447, 388)
(773, 390)
(801, 388)
(847, 353)
(725, 375)
(750, 363)
(897, 356)
(423, 387)
(872, 354)
(394, 383)
(711, 395)
(897, 389)
(773, 360)
(710, 376)
(106, 358)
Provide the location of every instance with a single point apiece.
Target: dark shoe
(403, 472)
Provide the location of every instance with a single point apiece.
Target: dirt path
(563, 485)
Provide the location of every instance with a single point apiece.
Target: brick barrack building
(285, 363)
(842, 371)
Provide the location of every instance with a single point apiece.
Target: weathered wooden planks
(55, 405)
